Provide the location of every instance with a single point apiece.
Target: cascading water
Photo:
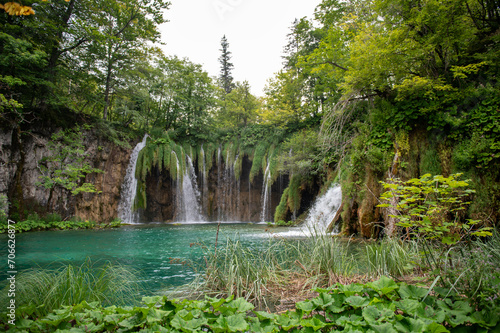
(204, 180)
(129, 188)
(190, 194)
(323, 211)
(320, 215)
(265, 194)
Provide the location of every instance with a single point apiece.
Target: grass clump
(391, 257)
(40, 291)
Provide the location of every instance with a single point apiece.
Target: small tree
(430, 207)
(66, 166)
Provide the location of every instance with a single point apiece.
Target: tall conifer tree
(226, 79)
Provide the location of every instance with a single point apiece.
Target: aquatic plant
(41, 291)
(391, 257)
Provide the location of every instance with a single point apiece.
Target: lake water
(155, 250)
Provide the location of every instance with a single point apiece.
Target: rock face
(222, 196)
(20, 154)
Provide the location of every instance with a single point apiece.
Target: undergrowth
(41, 291)
(380, 306)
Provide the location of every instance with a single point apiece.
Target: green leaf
(316, 323)
(152, 301)
(407, 324)
(384, 285)
(409, 306)
(357, 301)
(306, 306)
(240, 305)
(436, 328)
(237, 322)
(411, 291)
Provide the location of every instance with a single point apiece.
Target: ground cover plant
(41, 291)
(379, 306)
(55, 222)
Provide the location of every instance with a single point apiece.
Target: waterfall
(178, 188)
(323, 211)
(265, 194)
(190, 194)
(320, 215)
(129, 188)
(204, 180)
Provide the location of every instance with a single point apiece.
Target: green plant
(391, 257)
(41, 291)
(4, 208)
(66, 166)
(380, 306)
(430, 207)
(325, 259)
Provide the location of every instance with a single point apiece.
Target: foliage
(13, 8)
(391, 257)
(430, 207)
(280, 214)
(474, 272)
(326, 260)
(54, 222)
(300, 153)
(239, 107)
(42, 291)
(226, 78)
(382, 305)
(66, 166)
(4, 207)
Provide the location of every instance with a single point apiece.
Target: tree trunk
(107, 91)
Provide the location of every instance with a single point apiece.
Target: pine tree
(226, 79)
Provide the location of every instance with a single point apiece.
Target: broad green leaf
(262, 315)
(357, 301)
(411, 291)
(407, 324)
(384, 285)
(306, 306)
(316, 323)
(383, 328)
(409, 306)
(240, 305)
(436, 328)
(152, 301)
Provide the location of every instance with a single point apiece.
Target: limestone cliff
(20, 154)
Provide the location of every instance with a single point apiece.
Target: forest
(395, 102)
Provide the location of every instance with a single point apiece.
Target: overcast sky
(255, 29)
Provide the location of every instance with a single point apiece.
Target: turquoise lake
(155, 250)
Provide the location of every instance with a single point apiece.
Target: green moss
(258, 157)
(210, 150)
(173, 165)
(280, 214)
(167, 153)
(140, 196)
(238, 164)
(294, 193)
(429, 161)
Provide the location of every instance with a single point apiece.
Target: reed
(45, 290)
(390, 257)
(326, 260)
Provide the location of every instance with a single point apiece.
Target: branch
(330, 63)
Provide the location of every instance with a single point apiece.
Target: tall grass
(46, 290)
(243, 271)
(391, 257)
(326, 260)
(261, 275)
